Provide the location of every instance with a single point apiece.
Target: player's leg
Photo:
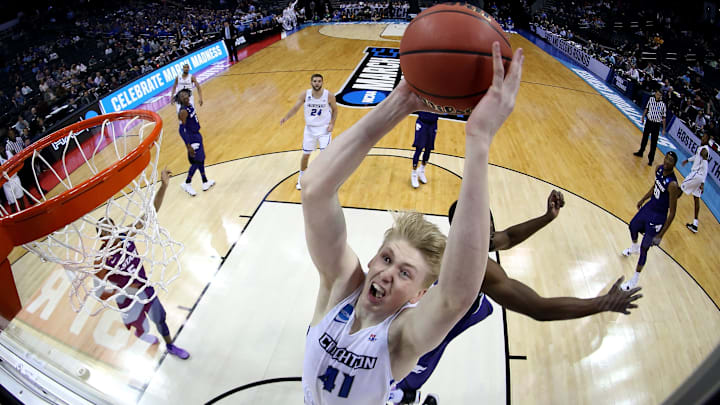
(637, 224)
(429, 146)
(643, 143)
(187, 185)
(156, 313)
(652, 227)
(696, 200)
(309, 143)
(200, 159)
(419, 145)
(654, 134)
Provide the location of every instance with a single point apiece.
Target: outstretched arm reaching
(465, 257)
(518, 297)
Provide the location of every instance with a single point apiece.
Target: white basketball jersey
(317, 110)
(700, 165)
(185, 83)
(340, 368)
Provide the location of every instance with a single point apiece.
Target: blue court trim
(711, 195)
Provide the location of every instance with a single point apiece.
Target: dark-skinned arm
(518, 297)
(515, 235)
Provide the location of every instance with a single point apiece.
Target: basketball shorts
(647, 222)
(691, 185)
(315, 137)
(424, 135)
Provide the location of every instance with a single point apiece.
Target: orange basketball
(446, 56)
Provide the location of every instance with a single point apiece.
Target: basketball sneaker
(631, 251)
(188, 189)
(431, 399)
(628, 285)
(297, 186)
(421, 174)
(208, 184)
(176, 351)
(692, 228)
(414, 179)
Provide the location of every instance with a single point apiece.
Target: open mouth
(376, 291)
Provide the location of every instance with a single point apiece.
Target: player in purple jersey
(515, 296)
(655, 217)
(122, 257)
(190, 133)
(425, 131)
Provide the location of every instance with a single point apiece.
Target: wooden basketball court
(242, 304)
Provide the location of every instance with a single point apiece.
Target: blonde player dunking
(320, 115)
(369, 330)
(695, 181)
(186, 81)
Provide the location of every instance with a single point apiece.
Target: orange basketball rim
(52, 214)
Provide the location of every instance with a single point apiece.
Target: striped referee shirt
(655, 110)
(15, 146)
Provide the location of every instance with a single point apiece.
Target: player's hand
(684, 162)
(639, 204)
(656, 240)
(554, 203)
(330, 127)
(165, 176)
(201, 103)
(617, 300)
(642, 120)
(702, 188)
(497, 104)
(191, 151)
(283, 120)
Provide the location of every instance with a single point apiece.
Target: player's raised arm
(465, 258)
(325, 229)
(516, 234)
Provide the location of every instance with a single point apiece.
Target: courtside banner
(141, 90)
(683, 136)
(575, 53)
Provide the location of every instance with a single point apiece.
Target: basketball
(446, 56)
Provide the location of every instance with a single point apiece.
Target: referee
(655, 113)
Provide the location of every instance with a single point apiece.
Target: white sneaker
(414, 180)
(188, 189)
(630, 251)
(208, 184)
(297, 186)
(421, 175)
(628, 285)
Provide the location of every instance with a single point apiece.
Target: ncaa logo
(344, 315)
(377, 74)
(373, 79)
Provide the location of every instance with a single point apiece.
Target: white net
(118, 254)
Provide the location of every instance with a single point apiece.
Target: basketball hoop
(106, 169)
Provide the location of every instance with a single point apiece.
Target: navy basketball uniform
(651, 217)
(190, 133)
(425, 130)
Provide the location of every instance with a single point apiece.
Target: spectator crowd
(651, 48)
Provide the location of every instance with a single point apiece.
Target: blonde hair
(423, 236)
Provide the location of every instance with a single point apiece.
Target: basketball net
(106, 268)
